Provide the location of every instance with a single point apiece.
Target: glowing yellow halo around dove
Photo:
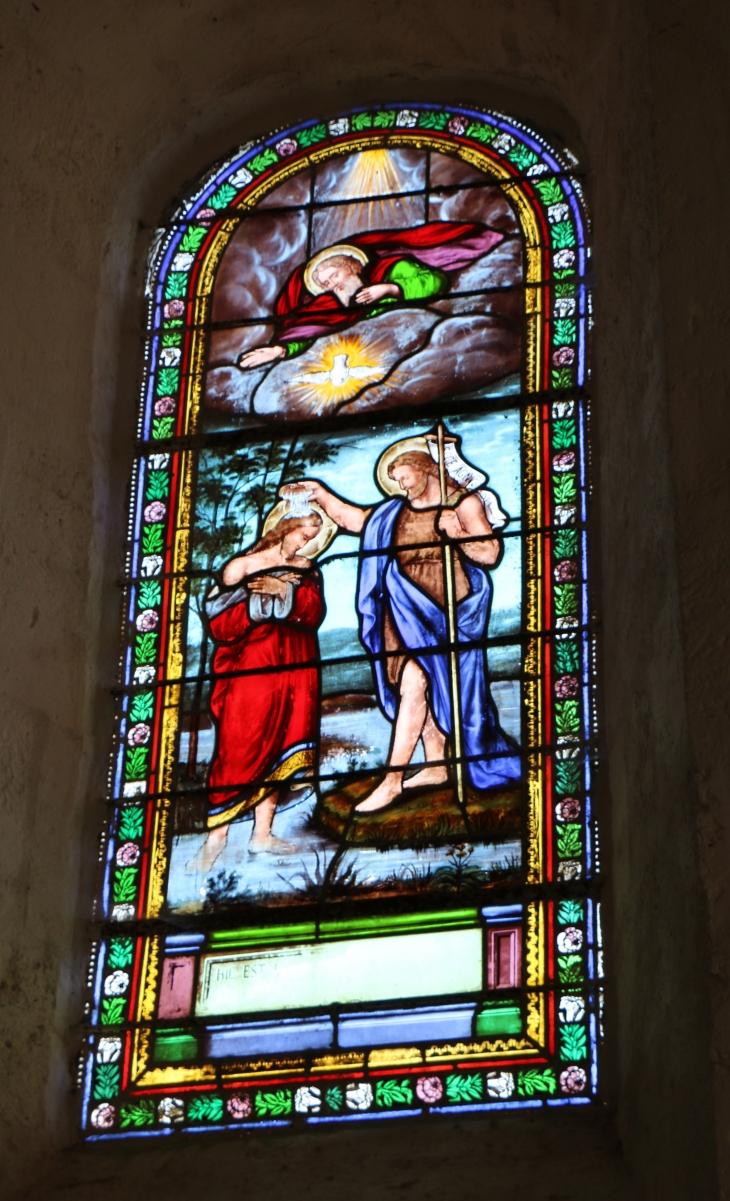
(337, 371)
(350, 252)
(311, 549)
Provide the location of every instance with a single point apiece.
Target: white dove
(339, 373)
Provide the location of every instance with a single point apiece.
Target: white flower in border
(170, 356)
(102, 1118)
(503, 142)
(406, 118)
(565, 514)
(571, 1009)
(116, 984)
(500, 1084)
(565, 306)
(563, 408)
(171, 1110)
(337, 128)
(567, 623)
(537, 169)
(144, 674)
(108, 1050)
(569, 869)
(151, 565)
(241, 178)
(134, 788)
(308, 1100)
(564, 259)
(570, 940)
(558, 213)
(123, 913)
(358, 1096)
(159, 462)
(182, 261)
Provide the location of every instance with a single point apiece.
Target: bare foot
(428, 775)
(384, 794)
(206, 857)
(270, 846)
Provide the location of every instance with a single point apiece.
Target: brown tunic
(424, 565)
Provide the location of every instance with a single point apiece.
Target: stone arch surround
(104, 124)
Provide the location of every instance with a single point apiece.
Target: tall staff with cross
(452, 630)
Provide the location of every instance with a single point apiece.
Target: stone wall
(108, 108)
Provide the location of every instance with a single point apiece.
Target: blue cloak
(420, 622)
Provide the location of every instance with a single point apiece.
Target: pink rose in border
(566, 569)
(457, 126)
(155, 511)
(128, 854)
(173, 309)
(164, 406)
(568, 810)
(570, 940)
(102, 1118)
(429, 1089)
(286, 147)
(564, 461)
(564, 356)
(573, 1080)
(239, 1106)
(147, 620)
(139, 735)
(566, 686)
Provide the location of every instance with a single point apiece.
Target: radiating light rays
(373, 174)
(338, 372)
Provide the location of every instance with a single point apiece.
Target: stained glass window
(349, 867)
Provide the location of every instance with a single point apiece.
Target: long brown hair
(422, 462)
(284, 526)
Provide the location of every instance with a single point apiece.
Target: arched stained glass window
(349, 868)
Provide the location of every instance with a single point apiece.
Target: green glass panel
(497, 1020)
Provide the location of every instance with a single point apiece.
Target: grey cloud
(258, 260)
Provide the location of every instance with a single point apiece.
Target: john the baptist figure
(401, 605)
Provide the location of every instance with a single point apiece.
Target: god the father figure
(401, 605)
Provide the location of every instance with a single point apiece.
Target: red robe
(266, 723)
(447, 245)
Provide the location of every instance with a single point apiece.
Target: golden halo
(315, 546)
(385, 483)
(350, 252)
